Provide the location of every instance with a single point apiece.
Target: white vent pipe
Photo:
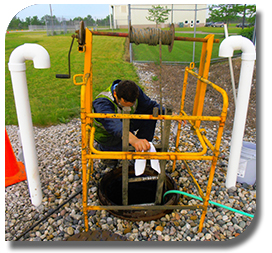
(226, 49)
(17, 68)
(231, 68)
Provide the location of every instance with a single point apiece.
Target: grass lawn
(231, 29)
(55, 100)
(181, 52)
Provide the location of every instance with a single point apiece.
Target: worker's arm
(138, 144)
(112, 126)
(182, 122)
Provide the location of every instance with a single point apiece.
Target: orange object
(14, 171)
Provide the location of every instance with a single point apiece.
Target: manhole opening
(110, 193)
(138, 192)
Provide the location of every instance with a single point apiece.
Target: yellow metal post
(88, 74)
(204, 68)
(86, 107)
(83, 156)
(208, 191)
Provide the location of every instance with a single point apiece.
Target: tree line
(232, 13)
(17, 23)
(218, 13)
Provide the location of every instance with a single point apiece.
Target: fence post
(129, 22)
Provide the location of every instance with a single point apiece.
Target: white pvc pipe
(231, 68)
(17, 68)
(226, 49)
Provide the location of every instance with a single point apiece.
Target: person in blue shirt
(108, 132)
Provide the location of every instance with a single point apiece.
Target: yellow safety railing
(89, 152)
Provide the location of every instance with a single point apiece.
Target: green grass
(231, 29)
(181, 52)
(55, 100)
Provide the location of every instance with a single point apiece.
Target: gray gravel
(59, 155)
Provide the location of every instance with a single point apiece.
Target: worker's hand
(141, 145)
(138, 144)
(182, 122)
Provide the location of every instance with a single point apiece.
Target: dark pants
(146, 129)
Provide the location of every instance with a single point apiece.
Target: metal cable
(150, 36)
(49, 214)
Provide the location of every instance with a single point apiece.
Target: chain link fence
(56, 26)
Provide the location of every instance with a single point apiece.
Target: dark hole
(138, 193)
(110, 193)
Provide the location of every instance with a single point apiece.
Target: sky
(67, 11)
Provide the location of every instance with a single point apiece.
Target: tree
(158, 14)
(224, 12)
(45, 18)
(251, 13)
(89, 20)
(107, 19)
(35, 21)
(14, 23)
(78, 19)
(232, 12)
(28, 20)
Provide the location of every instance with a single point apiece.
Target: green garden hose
(211, 202)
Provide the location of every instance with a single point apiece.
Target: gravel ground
(59, 155)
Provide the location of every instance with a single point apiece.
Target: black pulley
(81, 34)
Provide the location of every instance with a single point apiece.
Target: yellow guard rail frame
(89, 152)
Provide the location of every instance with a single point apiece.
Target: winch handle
(65, 76)
(62, 76)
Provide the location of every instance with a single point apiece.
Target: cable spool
(151, 36)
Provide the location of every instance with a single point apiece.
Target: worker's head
(126, 93)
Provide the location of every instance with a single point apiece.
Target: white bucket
(247, 166)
